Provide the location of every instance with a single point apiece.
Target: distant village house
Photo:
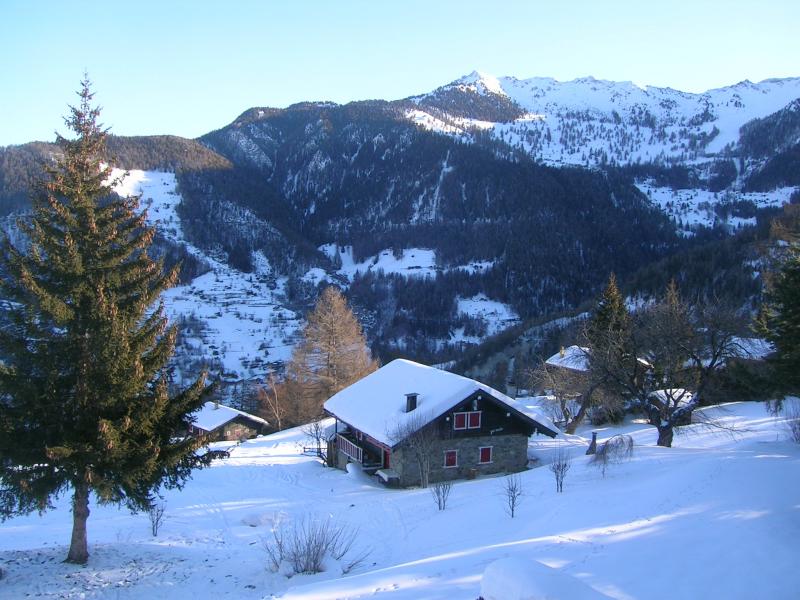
(223, 423)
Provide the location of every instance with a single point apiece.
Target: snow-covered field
(718, 516)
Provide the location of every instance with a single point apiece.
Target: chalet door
(387, 459)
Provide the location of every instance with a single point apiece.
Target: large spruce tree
(84, 399)
(780, 323)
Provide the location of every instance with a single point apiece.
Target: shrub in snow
(441, 492)
(614, 450)
(310, 546)
(791, 415)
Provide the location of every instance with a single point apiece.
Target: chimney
(411, 402)
(562, 352)
(216, 404)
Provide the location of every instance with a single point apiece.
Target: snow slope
(716, 516)
(242, 322)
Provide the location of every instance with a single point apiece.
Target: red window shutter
(486, 455)
(460, 421)
(475, 420)
(450, 458)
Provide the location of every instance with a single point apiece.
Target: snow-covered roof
(673, 396)
(752, 348)
(214, 415)
(376, 404)
(572, 357)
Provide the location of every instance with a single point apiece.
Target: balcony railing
(349, 448)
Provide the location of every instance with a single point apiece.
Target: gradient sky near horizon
(186, 67)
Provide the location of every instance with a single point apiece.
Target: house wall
(509, 454)
(238, 429)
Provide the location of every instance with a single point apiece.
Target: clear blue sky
(187, 67)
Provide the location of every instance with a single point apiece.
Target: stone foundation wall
(509, 455)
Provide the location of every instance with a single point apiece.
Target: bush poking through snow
(614, 450)
(560, 466)
(512, 493)
(308, 546)
(441, 492)
(156, 515)
(791, 415)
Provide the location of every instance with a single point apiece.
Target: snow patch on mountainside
(233, 320)
(411, 262)
(497, 315)
(691, 208)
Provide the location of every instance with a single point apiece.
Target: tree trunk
(665, 434)
(79, 548)
(586, 402)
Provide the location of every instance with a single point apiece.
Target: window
(450, 458)
(474, 420)
(467, 420)
(485, 455)
(460, 421)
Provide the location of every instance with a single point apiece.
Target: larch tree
(332, 354)
(84, 398)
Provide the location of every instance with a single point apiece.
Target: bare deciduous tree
(512, 494)
(317, 433)
(665, 362)
(418, 436)
(156, 515)
(560, 466)
(272, 406)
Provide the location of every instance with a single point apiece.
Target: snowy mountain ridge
(590, 121)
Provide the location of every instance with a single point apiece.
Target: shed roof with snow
(377, 404)
(571, 357)
(213, 415)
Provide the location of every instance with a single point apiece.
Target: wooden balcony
(349, 448)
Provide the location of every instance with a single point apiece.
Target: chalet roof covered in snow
(214, 415)
(376, 404)
(572, 357)
(752, 348)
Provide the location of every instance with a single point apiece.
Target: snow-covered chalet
(219, 422)
(466, 427)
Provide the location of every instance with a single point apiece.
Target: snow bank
(521, 579)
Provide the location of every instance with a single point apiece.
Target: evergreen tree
(780, 323)
(332, 355)
(84, 400)
(610, 315)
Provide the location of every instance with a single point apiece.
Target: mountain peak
(481, 82)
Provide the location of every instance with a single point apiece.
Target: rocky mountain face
(454, 214)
